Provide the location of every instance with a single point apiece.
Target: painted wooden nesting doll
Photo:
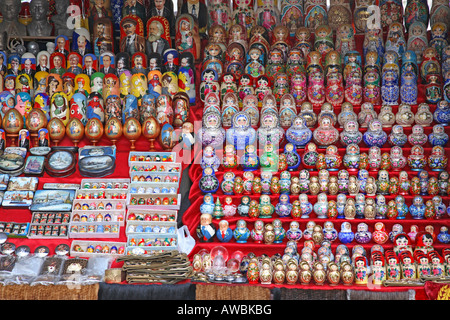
(292, 15)
(391, 11)
(59, 107)
(187, 37)
(416, 10)
(315, 13)
(417, 39)
(339, 12)
(345, 39)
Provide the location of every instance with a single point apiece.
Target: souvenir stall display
(315, 143)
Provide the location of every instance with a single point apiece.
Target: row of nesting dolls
(316, 232)
(385, 83)
(122, 72)
(245, 138)
(310, 14)
(344, 181)
(261, 53)
(359, 206)
(393, 266)
(73, 97)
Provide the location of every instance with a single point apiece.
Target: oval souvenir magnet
(8, 248)
(42, 251)
(62, 249)
(23, 251)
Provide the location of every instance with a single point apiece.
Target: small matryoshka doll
(307, 112)
(372, 88)
(374, 158)
(262, 88)
(404, 183)
(316, 89)
(398, 161)
(373, 41)
(295, 62)
(353, 91)
(367, 114)
(314, 63)
(417, 39)
(433, 88)
(298, 87)
(395, 40)
(332, 158)
(281, 86)
(408, 88)
(228, 84)
(326, 134)
(438, 36)
(386, 116)
(334, 92)
(437, 161)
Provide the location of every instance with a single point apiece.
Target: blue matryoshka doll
(241, 134)
(130, 107)
(7, 101)
(208, 204)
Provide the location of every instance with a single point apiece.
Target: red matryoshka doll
(267, 14)
(69, 84)
(390, 11)
(95, 107)
(292, 15)
(110, 86)
(295, 62)
(316, 89)
(180, 105)
(219, 13)
(299, 87)
(372, 88)
(54, 84)
(74, 63)
(238, 33)
(164, 109)
(228, 84)
(243, 14)
(131, 35)
(353, 91)
(281, 86)
(430, 64)
(83, 84)
(254, 66)
(209, 83)
(315, 13)
(10, 83)
(245, 86)
(169, 83)
(187, 37)
(235, 59)
(262, 88)
(339, 13)
(275, 63)
(154, 82)
(417, 39)
(139, 63)
(78, 106)
(213, 58)
(334, 92)
(57, 63)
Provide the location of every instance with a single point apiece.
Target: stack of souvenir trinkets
(335, 143)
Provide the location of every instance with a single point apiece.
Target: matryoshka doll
(295, 62)
(187, 37)
(390, 90)
(379, 234)
(292, 157)
(298, 134)
(59, 107)
(323, 41)
(395, 40)
(211, 132)
(113, 108)
(351, 133)
(267, 15)
(372, 88)
(438, 36)
(275, 64)
(164, 109)
(374, 158)
(398, 161)
(351, 157)
(316, 89)
(251, 158)
(262, 88)
(334, 91)
(332, 158)
(430, 63)
(248, 178)
(219, 13)
(209, 183)
(407, 265)
(230, 158)
(433, 88)
(353, 91)
(287, 110)
(366, 114)
(281, 86)
(373, 41)
(228, 84)
(283, 208)
(437, 161)
(417, 39)
(250, 106)
(243, 14)
(375, 135)
(352, 62)
(254, 63)
(307, 112)
(298, 87)
(310, 156)
(345, 39)
(245, 87)
(346, 114)
(404, 183)
(326, 134)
